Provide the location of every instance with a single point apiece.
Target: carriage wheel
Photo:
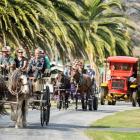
(59, 102)
(45, 107)
(48, 105)
(42, 115)
(134, 98)
(95, 103)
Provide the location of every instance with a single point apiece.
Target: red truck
(121, 80)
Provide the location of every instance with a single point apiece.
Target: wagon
(61, 90)
(41, 99)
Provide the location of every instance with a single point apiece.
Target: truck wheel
(109, 102)
(113, 102)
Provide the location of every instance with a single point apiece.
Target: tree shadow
(57, 126)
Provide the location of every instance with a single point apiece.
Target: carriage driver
(79, 65)
(7, 63)
(36, 65)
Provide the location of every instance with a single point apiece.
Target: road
(64, 125)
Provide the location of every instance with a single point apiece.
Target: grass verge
(126, 119)
(106, 135)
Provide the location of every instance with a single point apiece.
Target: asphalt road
(64, 125)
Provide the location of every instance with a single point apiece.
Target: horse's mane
(14, 80)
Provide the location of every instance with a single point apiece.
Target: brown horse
(17, 94)
(83, 86)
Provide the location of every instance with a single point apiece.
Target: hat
(8, 48)
(4, 49)
(20, 50)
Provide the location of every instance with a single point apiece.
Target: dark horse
(16, 93)
(62, 90)
(83, 84)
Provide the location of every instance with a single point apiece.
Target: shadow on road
(55, 126)
(106, 111)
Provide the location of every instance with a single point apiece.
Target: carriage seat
(38, 85)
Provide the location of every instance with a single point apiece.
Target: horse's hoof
(24, 125)
(16, 126)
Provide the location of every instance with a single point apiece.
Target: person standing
(90, 72)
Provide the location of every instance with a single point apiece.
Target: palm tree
(106, 32)
(71, 28)
(22, 23)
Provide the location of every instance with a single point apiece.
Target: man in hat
(90, 72)
(7, 63)
(20, 60)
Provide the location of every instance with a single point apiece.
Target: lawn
(107, 135)
(126, 119)
(129, 119)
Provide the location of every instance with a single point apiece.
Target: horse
(62, 90)
(83, 84)
(18, 92)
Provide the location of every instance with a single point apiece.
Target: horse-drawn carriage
(17, 91)
(41, 98)
(62, 90)
(86, 89)
(75, 87)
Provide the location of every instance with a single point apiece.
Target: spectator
(90, 72)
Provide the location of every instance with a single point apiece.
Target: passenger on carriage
(90, 72)
(47, 65)
(78, 65)
(35, 66)
(21, 61)
(7, 63)
(67, 70)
